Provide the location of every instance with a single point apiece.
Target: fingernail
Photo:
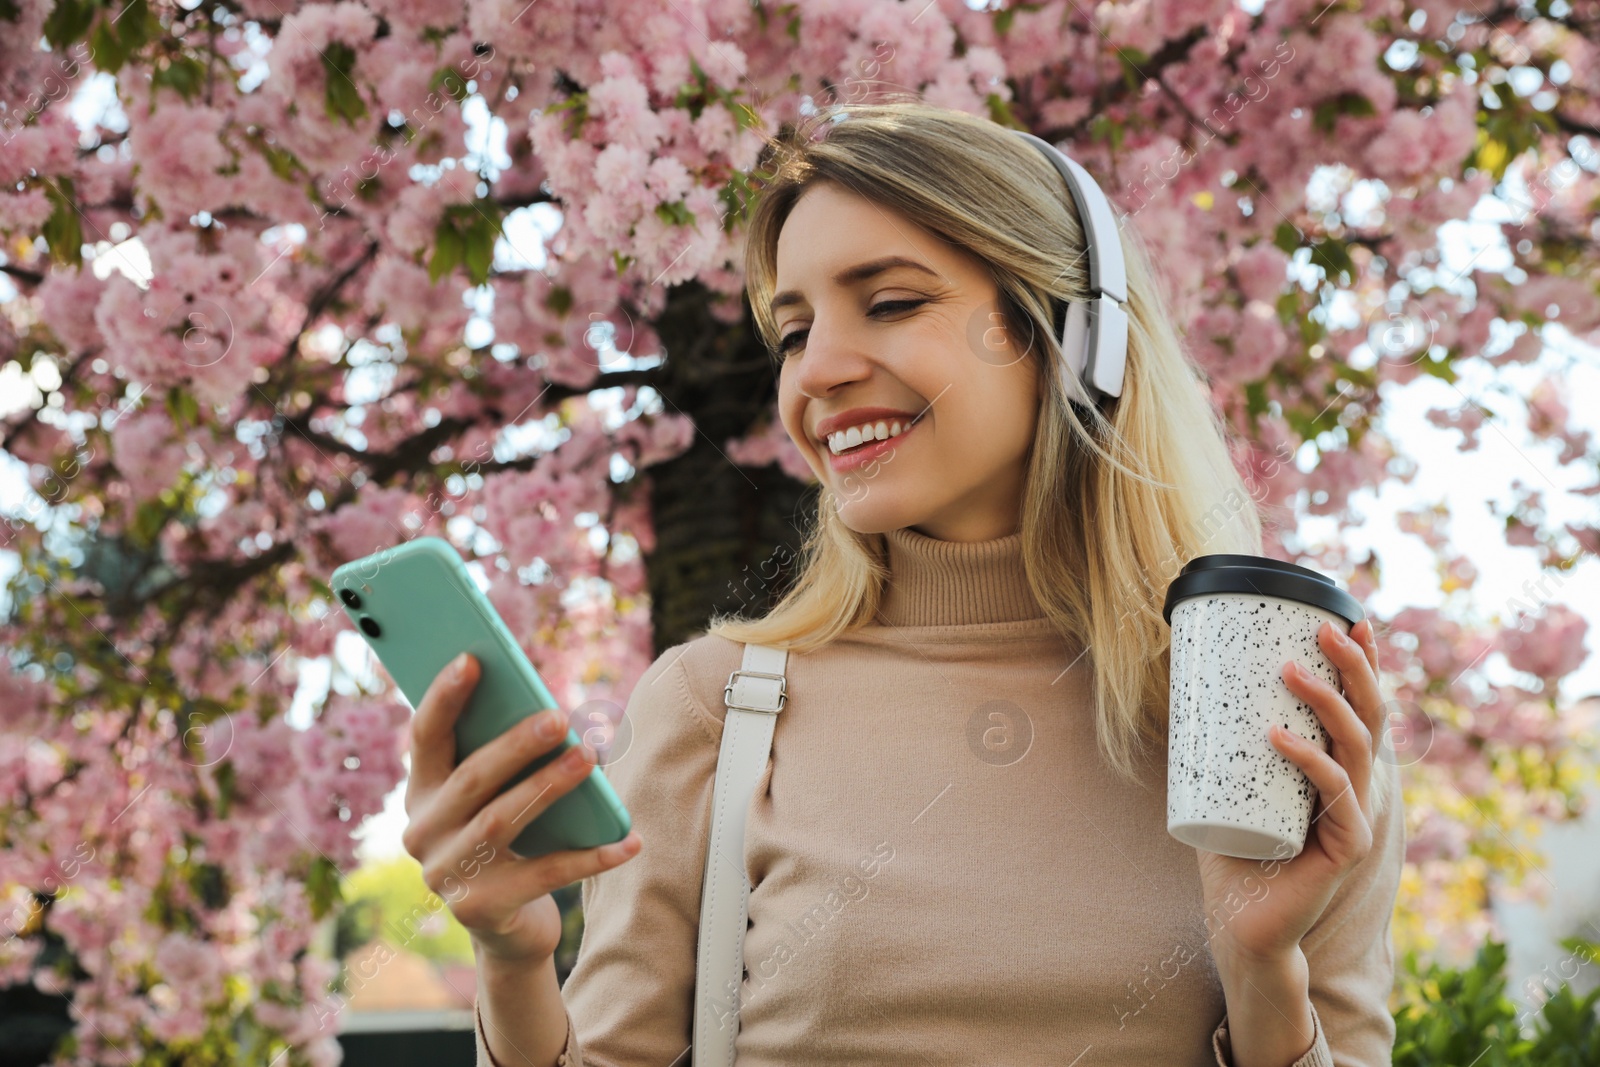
(458, 666)
(552, 723)
(618, 849)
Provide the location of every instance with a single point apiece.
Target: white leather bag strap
(754, 695)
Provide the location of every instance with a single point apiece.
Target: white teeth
(882, 430)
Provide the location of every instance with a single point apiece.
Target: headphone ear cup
(1075, 349)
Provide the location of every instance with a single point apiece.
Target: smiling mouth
(853, 449)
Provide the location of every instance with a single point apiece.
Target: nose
(832, 357)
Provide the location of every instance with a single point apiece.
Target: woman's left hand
(1249, 925)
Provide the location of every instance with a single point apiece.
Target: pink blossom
(64, 298)
(23, 701)
(148, 452)
(622, 103)
(1437, 838)
(405, 292)
(1526, 722)
(182, 155)
(417, 15)
(25, 211)
(1468, 418)
(1551, 647)
(1401, 151)
(771, 443)
(45, 148)
(1257, 345)
(1262, 272)
(375, 523)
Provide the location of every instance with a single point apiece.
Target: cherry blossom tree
(291, 282)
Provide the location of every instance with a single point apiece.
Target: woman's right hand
(460, 830)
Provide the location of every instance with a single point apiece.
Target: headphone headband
(1094, 339)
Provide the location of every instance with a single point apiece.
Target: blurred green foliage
(1463, 1016)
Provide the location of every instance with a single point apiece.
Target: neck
(955, 583)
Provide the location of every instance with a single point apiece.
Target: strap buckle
(771, 706)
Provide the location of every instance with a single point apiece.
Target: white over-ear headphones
(1094, 339)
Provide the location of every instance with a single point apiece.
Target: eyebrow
(859, 272)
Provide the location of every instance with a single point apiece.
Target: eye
(787, 343)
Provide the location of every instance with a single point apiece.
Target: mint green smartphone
(417, 607)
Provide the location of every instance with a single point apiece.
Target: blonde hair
(1148, 481)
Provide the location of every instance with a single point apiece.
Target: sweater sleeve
(1350, 953)
(630, 994)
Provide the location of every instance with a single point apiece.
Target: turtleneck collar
(955, 583)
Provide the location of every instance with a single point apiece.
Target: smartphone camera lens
(349, 597)
(370, 626)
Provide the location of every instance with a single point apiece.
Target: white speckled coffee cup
(1236, 619)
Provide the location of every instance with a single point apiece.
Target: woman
(957, 852)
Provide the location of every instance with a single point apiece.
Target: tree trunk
(727, 537)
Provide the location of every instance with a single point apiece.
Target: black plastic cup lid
(1231, 572)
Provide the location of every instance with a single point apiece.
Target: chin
(866, 515)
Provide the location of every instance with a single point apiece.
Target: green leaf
(559, 300)
(1326, 114)
(137, 25)
(451, 81)
(183, 407)
(63, 230)
(68, 21)
(677, 213)
(1440, 369)
(1333, 256)
(621, 262)
(578, 104)
(695, 93)
(280, 160)
(1255, 394)
(1288, 307)
(148, 519)
(183, 74)
(479, 254)
(1104, 128)
(106, 48)
(322, 886)
(1286, 237)
(341, 97)
(738, 195)
(210, 883)
(9, 10)
(466, 236)
(1133, 62)
(1004, 18)
(1000, 112)
(448, 250)
(227, 787)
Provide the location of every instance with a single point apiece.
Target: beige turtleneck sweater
(918, 897)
